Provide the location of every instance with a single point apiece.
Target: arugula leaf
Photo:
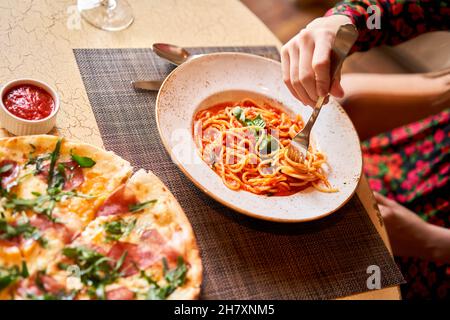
(24, 273)
(173, 279)
(119, 228)
(96, 270)
(9, 276)
(60, 295)
(8, 231)
(83, 162)
(37, 161)
(140, 206)
(42, 204)
(53, 158)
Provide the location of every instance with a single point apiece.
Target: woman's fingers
(298, 68)
(286, 70)
(382, 200)
(321, 66)
(306, 76)
(386, 212)
(307, 56)
(336, 88)
(300, 92)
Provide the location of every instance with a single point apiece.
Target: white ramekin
(19, 126)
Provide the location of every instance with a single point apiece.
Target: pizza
(76, 224)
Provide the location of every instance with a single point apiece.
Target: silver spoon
(172, 53)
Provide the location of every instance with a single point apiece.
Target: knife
(147, 85)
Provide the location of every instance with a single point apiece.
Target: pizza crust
(148, 186)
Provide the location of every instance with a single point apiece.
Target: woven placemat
(243, 258)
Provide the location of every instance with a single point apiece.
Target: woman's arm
(439, 243)
(305, 59)
(411, 236)
(398, 20)
(379, 102)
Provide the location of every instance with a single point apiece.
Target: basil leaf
(83, 162)
(258, 122)
(268, 145)
(238, 112)
(140, 206)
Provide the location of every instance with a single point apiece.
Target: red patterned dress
(410, 164)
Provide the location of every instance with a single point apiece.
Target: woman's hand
(305, 60)
(410, 236)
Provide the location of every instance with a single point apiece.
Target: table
(38, 36)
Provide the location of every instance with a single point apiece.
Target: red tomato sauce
(29, 102)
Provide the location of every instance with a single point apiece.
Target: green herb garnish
(173, 279)
(8, 231)
(96, 270)
(53, 158)
(239, 113)
(60, 295)
(258, 121)
(83, 162)
(140, 206)
(37, 161)
(267, 144)
(117, 229)
(9, 276)
(42, 204)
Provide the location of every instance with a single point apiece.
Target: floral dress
(410, 164)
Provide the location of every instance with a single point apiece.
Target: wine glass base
(117, 18)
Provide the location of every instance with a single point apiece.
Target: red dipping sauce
(29, 102)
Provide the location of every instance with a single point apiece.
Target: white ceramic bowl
(221, 77)
(19, 126)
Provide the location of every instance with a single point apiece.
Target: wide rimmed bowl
(221, 77)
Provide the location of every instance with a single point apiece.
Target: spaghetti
(247, 145)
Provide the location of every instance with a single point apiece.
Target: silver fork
(345, 38)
